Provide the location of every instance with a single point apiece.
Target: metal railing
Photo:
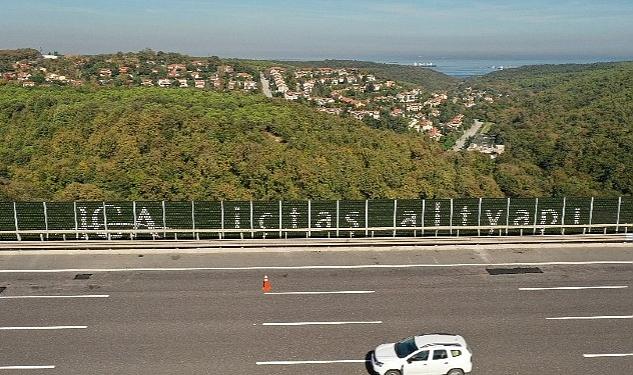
(319, 219)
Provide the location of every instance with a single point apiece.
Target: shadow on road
(368, 367)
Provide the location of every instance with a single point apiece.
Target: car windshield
(405, 347)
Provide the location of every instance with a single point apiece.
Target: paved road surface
(265, 86)
(467, 134)
(217, 320)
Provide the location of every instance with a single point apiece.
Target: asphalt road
(217, 320)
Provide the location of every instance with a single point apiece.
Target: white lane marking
(43, 328)
(362, 266)
(318, 323)
(607, 355)
(310, 362)
(25, 367)
(578, 287)
(77, 296)
(337, 292)
(592, 317)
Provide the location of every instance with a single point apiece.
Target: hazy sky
(323, 28)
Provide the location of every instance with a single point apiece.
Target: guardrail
(319, 219)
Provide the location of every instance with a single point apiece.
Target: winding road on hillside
(134, 313)
(467, 134)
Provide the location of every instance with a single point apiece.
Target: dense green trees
(107, 143)
(568, 129)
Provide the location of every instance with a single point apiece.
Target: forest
(91, 143)
(568, 129)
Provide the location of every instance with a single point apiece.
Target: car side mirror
(409, 360)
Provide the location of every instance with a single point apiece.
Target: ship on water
(425, 64)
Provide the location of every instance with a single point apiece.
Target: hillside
(426, 78)
(62, 143)
(568, 129)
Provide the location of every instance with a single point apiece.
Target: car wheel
(392, 372)
(455, 371)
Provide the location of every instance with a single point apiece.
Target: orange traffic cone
(266, 287)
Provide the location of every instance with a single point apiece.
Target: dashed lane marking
(78, 296)
(26, 367)
(607, 355)
(310, 362)
(43, 328)
(337, 292)
(592, 317)
(317, 323)
(578, 287)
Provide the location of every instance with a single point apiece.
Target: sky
(317, 29)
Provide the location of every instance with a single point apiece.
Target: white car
(434, 354)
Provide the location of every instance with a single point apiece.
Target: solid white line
(25, 367)
(309, 362)
(265, 268)
(607, 355)
(41, 328)
(592, 317)
(578, 287)
(318, 323)
(339, 292)
(78, 296)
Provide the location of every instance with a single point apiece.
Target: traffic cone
(266, 287)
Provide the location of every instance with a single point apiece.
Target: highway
(167, 312)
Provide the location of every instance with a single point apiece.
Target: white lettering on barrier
(544, 221)
(143, 219)
(438, 218)
(323, 217)
(351, 217)
(493, 220)
(294, 215)
(464, 212)
(522, 217)
(410, 219)
(237, 217)
(260, 221)
(576, 216)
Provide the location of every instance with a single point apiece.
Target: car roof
(439, 339)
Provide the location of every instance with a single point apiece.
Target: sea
(469, 67)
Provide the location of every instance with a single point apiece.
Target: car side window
(456, 353)
(421, 356)
(440, 354)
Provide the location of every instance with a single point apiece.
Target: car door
(417, 364)
(439, 363)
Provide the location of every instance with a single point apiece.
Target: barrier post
(193, 221)
(165, 221)
(423, 212)
(535, 215)
(280, 220)
(562, 221)
(450, 220)
(395, 209)
(617, 221)
(479, 219)
(251, 219)
(309, 234)
(337, 217)
(15, 220)
(366, 217)
(105, 222)
(76, 223)
(508, 216)
(45, 219)
(590, 214)
(132, 235)
(221, 219)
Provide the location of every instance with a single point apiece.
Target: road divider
(578, 287)
(592, 317)
(318, 323)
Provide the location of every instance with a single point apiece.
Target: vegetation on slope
(568, 129)
(139, 143)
